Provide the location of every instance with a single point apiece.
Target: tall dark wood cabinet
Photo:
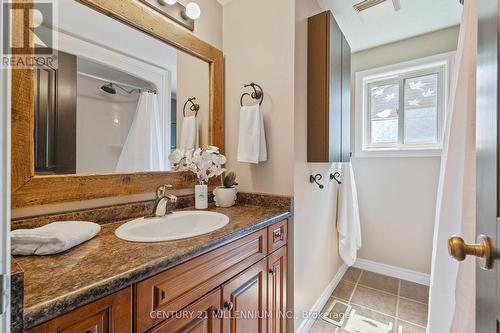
(328, 91)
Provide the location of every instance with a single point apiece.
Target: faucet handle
(161, 191)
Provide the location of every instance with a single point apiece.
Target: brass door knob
(483, 250)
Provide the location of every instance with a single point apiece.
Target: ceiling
(382, 24)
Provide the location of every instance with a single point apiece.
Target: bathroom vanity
(229, 280)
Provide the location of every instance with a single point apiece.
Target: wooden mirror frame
(31, 190)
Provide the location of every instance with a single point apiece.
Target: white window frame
(441, 64)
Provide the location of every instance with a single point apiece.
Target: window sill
(388, 152)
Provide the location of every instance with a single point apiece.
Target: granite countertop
(56, 284)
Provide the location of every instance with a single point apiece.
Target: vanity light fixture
(172, 9)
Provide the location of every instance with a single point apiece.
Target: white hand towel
(252, 138)
(348, 223)
(52, 238)
(189, 133)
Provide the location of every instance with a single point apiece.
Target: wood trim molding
(31, 190)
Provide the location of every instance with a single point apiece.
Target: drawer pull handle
(272, 270)
(90, 331)
(218, 313)
(228, 305)
(277, 234)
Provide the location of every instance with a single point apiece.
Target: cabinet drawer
(178, 287)
(111, 314)
(277, 235)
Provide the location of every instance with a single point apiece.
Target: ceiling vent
(366, 4)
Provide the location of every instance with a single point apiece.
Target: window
(401, 108)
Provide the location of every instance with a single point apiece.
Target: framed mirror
(124, 93)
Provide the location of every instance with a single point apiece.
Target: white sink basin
(177, 225)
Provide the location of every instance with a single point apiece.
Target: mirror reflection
(117, 100)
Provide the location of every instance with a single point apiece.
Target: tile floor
(380, 298)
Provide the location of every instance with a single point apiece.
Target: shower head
(109, 88)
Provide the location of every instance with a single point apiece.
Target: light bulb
(193, 11)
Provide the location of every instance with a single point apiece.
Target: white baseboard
(307, 323)
(393, 271)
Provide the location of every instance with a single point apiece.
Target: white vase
(201, 196)
(225, 197)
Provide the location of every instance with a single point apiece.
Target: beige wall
(259, 46)
(316, 259)
(193, 81)
(397, 196)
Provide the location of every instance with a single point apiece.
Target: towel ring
(194, 107)
(256, 94)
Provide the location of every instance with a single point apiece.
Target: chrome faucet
(161, 207)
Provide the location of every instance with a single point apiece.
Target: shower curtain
(452, 292)
(143, 148)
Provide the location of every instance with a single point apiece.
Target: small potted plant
(225, 196)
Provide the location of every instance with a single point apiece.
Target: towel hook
(315, 179)
(256, 94)
(194, 107)
(336, 176)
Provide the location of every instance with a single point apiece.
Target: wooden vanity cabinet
(111, 314)
(179, 286)
(249, 274)
(237, 288)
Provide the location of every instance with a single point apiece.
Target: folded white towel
(348, 222)
(189, 133)
(52, 238)
(252, 139)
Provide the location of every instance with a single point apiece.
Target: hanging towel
(348, 224)
(189, 133)
(252, 139)
(52, 238)
(143, 149)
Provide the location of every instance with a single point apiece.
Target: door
(245, 301)
(487, 137)
(204, 316)
(277, 267)
(487, 204)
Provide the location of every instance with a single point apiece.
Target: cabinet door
(111, 314)
(204, 316)
(245, 301)
(277, 264)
